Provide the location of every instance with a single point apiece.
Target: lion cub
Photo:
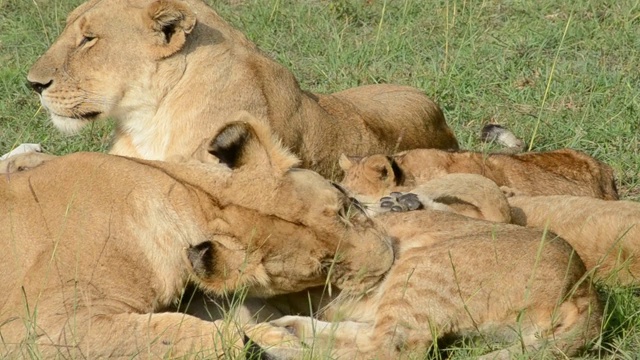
(606, 234)
(558, 172)
(452, 276)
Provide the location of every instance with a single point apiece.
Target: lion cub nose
(39, 87)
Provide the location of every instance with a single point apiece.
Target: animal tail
(494, 133)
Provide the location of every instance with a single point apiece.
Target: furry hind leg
(566, 330)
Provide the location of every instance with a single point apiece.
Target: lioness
(172, 71)
(452, 276)
(558, 172)
(92, 246)
(606, 234)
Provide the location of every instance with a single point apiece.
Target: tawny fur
(171, 72)
(558, 172)
(453, 276)
(606, 234)
(92, 246)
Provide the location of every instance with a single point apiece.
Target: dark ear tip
(489, 132)
(228, 144)
(228, 134)
(201, 258)
(253, 351)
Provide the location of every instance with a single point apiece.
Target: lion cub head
(278, 228)
(109, 54)
(373, 176)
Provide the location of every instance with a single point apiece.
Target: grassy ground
(559, 74)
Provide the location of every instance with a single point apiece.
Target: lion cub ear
(248, 142)
(347, 162)
(171, 21)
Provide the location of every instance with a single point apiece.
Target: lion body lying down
(171, 72)
(453, 276)
(92, 246)
(606, 234)
(558, 172)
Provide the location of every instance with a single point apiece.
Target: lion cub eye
(87, 39)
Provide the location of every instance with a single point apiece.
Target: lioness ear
(201, 258)
(248, 141)
(172, 21)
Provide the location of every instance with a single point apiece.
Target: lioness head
(279, 228)
(109, 53)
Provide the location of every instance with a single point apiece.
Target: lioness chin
(171, 71)
(94, 247)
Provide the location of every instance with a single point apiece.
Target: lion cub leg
(573, 321)
(470, 195)
(345, 339)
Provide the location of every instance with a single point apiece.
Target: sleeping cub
(453, 276)
(559, 172)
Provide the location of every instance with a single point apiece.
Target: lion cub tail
(494, 133)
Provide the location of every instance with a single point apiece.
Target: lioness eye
(85, 40)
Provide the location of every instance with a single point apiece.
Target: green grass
(559, 74)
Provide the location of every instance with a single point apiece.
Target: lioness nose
(39, 87)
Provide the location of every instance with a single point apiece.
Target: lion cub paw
(269, 335)
(400, 202)
(24, 161)
(511, 192)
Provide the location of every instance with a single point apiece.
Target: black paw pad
(399, 202)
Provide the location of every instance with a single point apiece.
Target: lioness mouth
(89, 116)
